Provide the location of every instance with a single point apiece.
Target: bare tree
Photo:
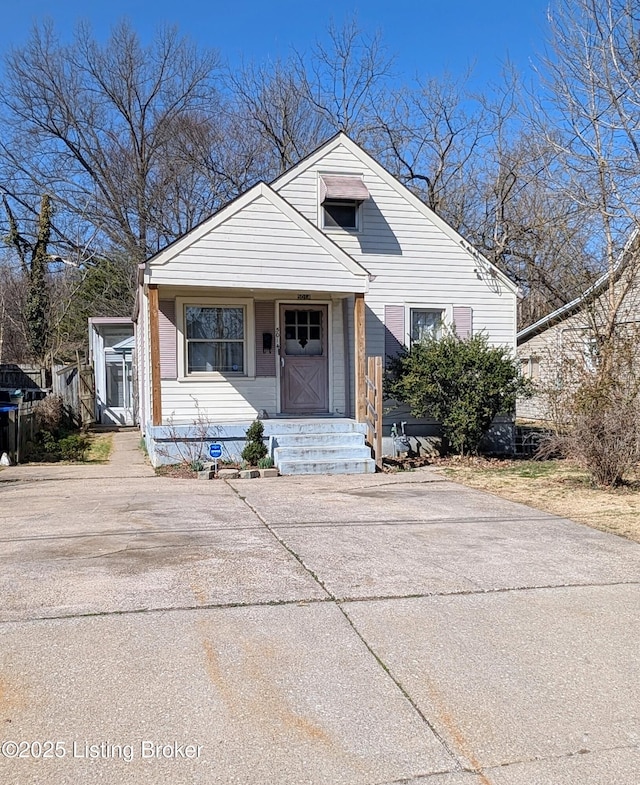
(34, 260)
(592, 105)
(279, 117)
(431, 136)
(95, 123)
(593, 100)
(346, 78)
(13, 339)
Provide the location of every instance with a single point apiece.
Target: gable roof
(565, 311)
(234, 207)
(367, 160)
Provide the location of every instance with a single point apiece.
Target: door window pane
(303, 333)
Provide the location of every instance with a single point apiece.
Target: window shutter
(168, 339)
(265, 313)
(393, 330)
(463, 321)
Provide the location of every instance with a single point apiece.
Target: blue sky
(427, 37)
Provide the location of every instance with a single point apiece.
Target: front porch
(310, 445)
(256, 313)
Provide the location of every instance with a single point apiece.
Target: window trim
(445, 310)
(532, 362)
(342, 203)
(339, 230)
(249, 355)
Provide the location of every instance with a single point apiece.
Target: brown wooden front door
(304, 367)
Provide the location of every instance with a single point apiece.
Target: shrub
(73, 447)
(463, 384)
(188, 447)
(44, 448)
(255, 448)
(49, 446)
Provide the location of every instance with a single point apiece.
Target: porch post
(154, 341)
(360, 357)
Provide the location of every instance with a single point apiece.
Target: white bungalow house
(270, 307)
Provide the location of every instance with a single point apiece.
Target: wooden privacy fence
(373, 412)
(22, 377)
(18, 428)
(74, 383)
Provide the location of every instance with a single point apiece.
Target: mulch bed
(404, 463)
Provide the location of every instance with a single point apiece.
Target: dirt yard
(554, 486)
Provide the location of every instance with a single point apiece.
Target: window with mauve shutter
(393, 330)
(265, 313)
(463, 321)
(168, 339)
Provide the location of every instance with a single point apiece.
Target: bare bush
(596, 412)
(189, 448)
(50, 413)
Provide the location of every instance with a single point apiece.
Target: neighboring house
(562, 343)
(111, 345)
(270, 307)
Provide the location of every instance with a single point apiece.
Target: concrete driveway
(360, 630)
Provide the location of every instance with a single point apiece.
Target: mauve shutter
(168, 339)
(463, 321)
(393, 330)
(265, 313)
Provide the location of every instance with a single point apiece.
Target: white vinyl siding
(264, 249)
(223, 400)
(408, 254)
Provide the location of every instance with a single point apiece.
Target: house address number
(304, 297)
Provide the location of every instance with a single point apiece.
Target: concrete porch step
(321, 452)
(286, 427)
(353, 466)
(346, 439)
(331, 446)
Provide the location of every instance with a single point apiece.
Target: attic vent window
(340, 198)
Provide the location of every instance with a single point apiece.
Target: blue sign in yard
(215, 450)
